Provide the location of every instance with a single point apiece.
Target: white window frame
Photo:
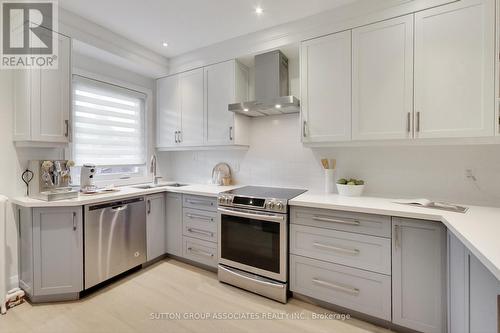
(123, 178)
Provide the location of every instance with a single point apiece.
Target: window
(108, 129)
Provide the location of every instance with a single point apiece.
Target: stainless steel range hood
(271, 88)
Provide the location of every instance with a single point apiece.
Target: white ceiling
(190, 24)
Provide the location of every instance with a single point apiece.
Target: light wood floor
(170, 287)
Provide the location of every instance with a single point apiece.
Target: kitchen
(200, 158)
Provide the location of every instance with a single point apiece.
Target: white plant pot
(350, 190)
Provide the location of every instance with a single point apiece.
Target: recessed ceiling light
(278, 106)
(165, 44)
(259, 10)
(246, 110)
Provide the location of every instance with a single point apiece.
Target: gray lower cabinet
(155, 226)
(419, 275)
(174, 224)
(472, 292)
(51, 252)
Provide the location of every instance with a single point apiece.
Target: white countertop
(478, 228)
(125, 192)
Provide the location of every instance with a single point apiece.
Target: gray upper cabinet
(419, 275)
(57, 251)
(174, 224)
(156, 226)
(472, 292)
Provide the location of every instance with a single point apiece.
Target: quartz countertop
(124, 192)
(478, 228)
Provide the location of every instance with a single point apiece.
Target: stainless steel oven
(253, 239)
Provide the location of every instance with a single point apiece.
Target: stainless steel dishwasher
(115, 239)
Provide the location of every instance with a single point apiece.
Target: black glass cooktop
(267, 192)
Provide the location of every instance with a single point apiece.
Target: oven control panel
(271, 205)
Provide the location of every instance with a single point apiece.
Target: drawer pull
(203, 253)
(200, 217)
(200, 232)
(327, 219)
(337, 249)
(200, 202)
(347, 290)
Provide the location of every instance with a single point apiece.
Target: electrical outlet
(236, 167)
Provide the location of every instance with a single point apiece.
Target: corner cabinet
(419, 275)
(192, 107)
(42, 101)
(51, 253)
(155, 226)
(326, 88)
(472, 292)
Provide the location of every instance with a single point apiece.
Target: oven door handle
(259, 216)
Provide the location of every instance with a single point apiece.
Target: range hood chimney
(271, 88)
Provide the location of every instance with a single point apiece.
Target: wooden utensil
(333, 163)
(324, 161)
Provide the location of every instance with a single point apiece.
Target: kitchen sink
(148, 186)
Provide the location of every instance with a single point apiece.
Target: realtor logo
(28, 37)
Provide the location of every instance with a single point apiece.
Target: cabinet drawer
(199, 202)
(360, 251)
(200, 251)
(200, 224)
(355, 289)
(369, 224)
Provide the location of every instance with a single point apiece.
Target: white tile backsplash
(277, 158)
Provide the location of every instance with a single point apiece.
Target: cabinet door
(454, 70)
(191, 87)
(419, 275)
(326, 88)
(484, 289)
(155, 226)
(220, 91)
(168, 110)
(382, 93)
(57, 250)
(50, 98)
(174, 224)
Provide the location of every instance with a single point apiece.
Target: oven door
(254, 241)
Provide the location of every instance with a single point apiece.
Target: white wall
(277, 158)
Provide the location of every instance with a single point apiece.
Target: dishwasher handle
(116, 205)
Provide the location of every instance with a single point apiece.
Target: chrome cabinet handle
(200, 217)
(336, 249)
(180, 136)
(326, 219)
(199, 202)
(149, 206)
(176, 135)
(74, 221)
(347, 290)
(66, 123)
(418, 122)
(304, 128)
(230, 133)
(200, 232)
(408, 122)
(200, 252)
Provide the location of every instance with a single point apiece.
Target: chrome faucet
(153, 169)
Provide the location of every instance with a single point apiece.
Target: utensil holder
(329, 180)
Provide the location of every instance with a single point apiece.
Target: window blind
(108, 124)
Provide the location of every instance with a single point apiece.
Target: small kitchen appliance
(87, 181)
(50, 180)
(253, 239)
